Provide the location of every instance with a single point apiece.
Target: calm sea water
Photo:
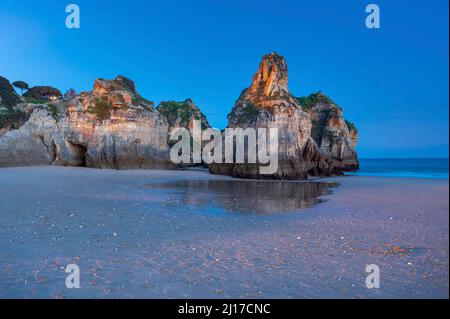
(404, 167)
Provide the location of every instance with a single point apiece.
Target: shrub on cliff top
(21, 85)
(350, 125)
(138, 100)
(308, 102)
(8, 96)
(12, 118)
(33, 100)
(53, 109)
(183, 110)
(43, 93)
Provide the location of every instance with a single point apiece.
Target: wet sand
(189, 234)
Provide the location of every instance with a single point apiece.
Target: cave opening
(79, 150)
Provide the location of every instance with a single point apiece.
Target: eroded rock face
(182, 114)
(335, 137)
(109, 127)
(32, 143)
(116, 126)
(312, 141)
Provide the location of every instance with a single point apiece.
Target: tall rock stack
(314, 139)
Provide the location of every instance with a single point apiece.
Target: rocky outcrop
(182, 114)
(335, 137)
(314, 139)
(109, 127)
(113, 126)
(116, 127)
(33, 143)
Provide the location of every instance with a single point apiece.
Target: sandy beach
(190, 234)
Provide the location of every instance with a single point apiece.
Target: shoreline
(206, 171)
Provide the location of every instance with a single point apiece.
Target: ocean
(404, 167)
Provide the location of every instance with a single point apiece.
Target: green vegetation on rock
(308, 102)
(8, 96)
(350, 125)
(248, 114)
(33, 100)
(139, 100)
(13, 118)
(53, 109)
(181, 110)
(101, 109)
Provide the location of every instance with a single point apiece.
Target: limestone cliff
(314, 140)
(110, 127)
(335, 137)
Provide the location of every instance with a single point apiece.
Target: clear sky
(392, 82)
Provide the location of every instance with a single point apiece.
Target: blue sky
(392, 82)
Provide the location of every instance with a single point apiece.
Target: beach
(190, 234)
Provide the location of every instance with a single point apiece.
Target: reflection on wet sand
(249, 196)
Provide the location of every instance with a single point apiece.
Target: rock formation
(335, 137)
(112, 126)
(109, 127)
(182, 114)
(314, 139)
